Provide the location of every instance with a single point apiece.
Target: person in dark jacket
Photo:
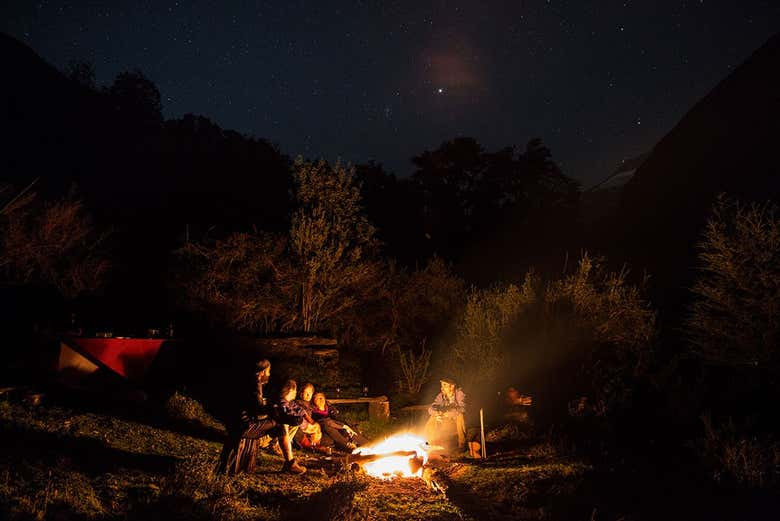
(447, 410)
(343, 436)
(256, 423)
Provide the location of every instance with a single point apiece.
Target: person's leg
(326, 440)
(432, 430)
(359, 440)
(227, 458)
(460, 426)
(285, 441)
(239, 451)
(297, 438)
(336, 434)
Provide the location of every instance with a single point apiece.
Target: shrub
(612, 327)
(750, 460)
(183, 408)
(478, 351)
(735, 319)
(414, 369)
(240, 281)
(312, 279)
(53, 243)
(606, 305)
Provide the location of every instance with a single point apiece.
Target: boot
(323, 450)
(292, 467)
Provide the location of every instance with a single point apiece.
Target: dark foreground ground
(59, 460)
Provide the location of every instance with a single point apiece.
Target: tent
(130, 358)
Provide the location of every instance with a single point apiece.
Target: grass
(68, 462)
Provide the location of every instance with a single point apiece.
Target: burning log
(362, 459)
(415, 464)
(402, 455)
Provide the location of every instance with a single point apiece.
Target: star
(440, 90)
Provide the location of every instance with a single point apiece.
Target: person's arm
(306, 408)
(459, 404)
(437, 406)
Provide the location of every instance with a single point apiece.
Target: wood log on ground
(378, 406)
(362, 459)
(325, 352)
(286, 344)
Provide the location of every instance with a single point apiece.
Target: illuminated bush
(735, 318)
(478, 352)
(750, 460)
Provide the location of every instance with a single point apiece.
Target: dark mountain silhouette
(600, 201)
(726, 143)
(621, 175)
(150, 181)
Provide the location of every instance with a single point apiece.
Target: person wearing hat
(447, 410)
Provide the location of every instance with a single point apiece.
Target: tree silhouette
(81, 72)
(133, 93)
(469, 195)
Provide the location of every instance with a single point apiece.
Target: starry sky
(598, 81)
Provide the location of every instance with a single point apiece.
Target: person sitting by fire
(289, 411)
(517, 405)
(255, 426)
(343, 436)
(309, 434)
(447, 411)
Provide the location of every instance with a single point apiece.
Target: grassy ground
(62, 461)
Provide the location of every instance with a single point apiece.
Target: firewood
(362, 459)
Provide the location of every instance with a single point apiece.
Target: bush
(606, 306)
(592, 329)
(749, 460)
(735, 319)
(51, 243)
(414, 369)
(315, 278)
(478, 353)
(239, 282)
(611, 324)
(185, 409)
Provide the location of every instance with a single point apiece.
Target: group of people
(320, 427)
(308, 421)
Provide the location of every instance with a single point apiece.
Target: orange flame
(392, 466)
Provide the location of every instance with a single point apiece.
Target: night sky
(597, 81)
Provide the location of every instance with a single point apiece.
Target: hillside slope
(726, 143)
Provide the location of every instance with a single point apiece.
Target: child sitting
(342, 434)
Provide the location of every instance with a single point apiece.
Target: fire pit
(402, 455)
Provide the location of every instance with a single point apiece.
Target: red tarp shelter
(130, 358)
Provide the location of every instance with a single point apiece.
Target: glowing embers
(402, 455)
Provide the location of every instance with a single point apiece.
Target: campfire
(402, 455)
